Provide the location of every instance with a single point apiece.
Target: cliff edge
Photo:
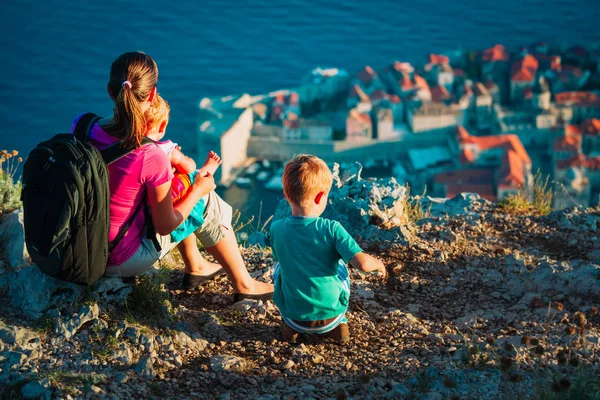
(480, 303)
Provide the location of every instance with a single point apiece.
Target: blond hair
(304, 176)
(158, 112)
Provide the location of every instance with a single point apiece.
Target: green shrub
(10, 191)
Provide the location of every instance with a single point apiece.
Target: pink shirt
(129, 179)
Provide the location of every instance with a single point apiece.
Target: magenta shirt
(129, 179)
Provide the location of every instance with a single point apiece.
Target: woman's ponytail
(133, 76)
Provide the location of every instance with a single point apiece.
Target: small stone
(317, 359)
(245, 305)
(289, 364)
(121, 377)
(33, 390)
(122, 355)
(227, 362)
(144, 368)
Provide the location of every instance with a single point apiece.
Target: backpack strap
(84, 125)
(115, 151)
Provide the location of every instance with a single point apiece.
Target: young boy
(312, 286)
(157, 119)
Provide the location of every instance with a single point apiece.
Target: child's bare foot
(212, 162)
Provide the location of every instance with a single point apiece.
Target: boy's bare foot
(212, 162)
(340, 334)
(288, 334)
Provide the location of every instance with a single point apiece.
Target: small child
(157, 119)
(312, 285)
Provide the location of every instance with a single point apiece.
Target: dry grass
(537, 198)
(10, 191)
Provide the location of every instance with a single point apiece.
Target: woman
(145, 175)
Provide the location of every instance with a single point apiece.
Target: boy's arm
(367, 263)
(351, 252)
(182, 163)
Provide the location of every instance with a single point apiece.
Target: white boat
(275, 183)
(262, 176)
(251, 170)
(266, 163)
(243, 182)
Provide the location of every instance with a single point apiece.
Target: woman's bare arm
(165, 216)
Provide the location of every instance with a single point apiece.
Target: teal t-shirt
(308, 250)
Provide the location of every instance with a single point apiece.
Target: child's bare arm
(367, 263)
(181, 162)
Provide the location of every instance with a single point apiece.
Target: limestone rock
(227, 362)
(33, 390)
(87, 313)
(18, 337)
(12, 239)
(369, 209)
(144, 368)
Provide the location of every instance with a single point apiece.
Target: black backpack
(66, 205)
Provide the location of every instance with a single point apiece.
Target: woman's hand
(204, 182)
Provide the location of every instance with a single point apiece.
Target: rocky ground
(479, 304)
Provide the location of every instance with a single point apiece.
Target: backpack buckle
(51, 160)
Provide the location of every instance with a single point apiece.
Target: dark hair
(141, 74)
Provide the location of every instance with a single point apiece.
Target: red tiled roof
(294, 98)
(367, 75)
(593, 163)
(524, 70)
(508, 142)
(356, 91)
(590, 127)
(575, 71)
(403, 67)
(362, 117)
(276, 113)
(512, 172)
(578, 51)
(421, 83)
(576, 161)
(440, 93)
(496, 53)
(490, 85)
(291, 123)
(570, 143)
(438, 59)
(578, 98)
(475, 180)
(572, 130)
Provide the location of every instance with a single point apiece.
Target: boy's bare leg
(193, 261)
(212, 163)
(227, 253)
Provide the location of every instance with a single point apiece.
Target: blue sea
(56, 55)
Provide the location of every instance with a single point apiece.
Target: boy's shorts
(320, 326)
(217, 220)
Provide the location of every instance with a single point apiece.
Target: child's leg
(212, 163)
(217, 237)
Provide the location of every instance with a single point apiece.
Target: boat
(243, 182)
(275, 183)
(253, 169)
(266, 163)
(262, 176)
